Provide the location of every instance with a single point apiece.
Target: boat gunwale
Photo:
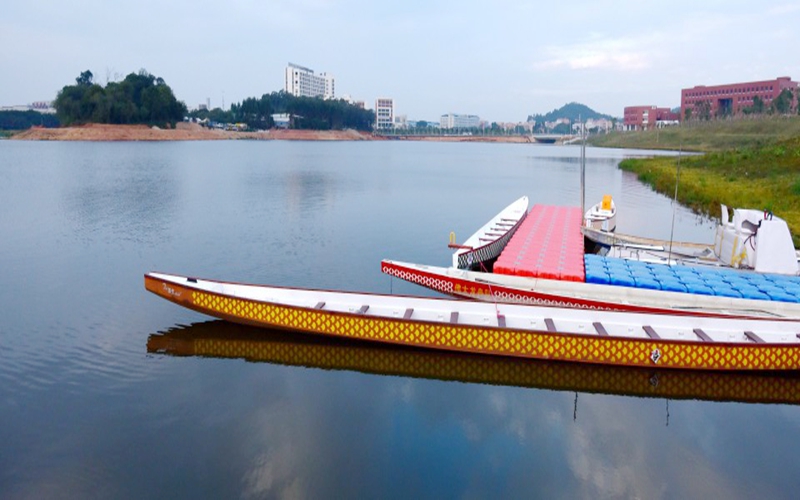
(585, 302)
(768, 345)
(465, 250)
(607, 238)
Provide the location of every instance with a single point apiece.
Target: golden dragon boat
(524, 331)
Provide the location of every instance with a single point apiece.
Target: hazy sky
(501, 60)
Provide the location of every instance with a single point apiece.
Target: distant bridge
(552, 138)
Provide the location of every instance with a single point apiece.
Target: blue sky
(501, 60)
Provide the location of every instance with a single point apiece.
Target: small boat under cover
(578, 335)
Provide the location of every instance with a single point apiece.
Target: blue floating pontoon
(698, 280)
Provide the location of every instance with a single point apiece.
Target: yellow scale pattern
(509, 371)
(593, 349)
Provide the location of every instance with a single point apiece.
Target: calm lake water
(108, 391)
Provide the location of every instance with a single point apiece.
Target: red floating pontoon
(548, 244)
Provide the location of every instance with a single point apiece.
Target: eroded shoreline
(194, 132)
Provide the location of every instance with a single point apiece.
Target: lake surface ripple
(108, 391)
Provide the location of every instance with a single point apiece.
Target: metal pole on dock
(583, 166)
(675, 202)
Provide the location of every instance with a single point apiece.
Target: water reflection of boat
(532, 332)
(220, 339)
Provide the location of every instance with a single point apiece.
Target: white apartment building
(452, 120)
(301, 81)
(384, 113)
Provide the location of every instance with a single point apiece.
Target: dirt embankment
(182, 132)
(194, 132)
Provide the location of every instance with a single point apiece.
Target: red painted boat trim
(457, 287)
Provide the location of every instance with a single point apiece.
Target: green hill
(572, 111)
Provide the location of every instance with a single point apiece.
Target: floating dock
(718, 282)
(548, 244)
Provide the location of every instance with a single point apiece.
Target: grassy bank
(709, 136)
(765, 177)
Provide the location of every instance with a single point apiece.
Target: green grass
(760, 177)
(718, 135)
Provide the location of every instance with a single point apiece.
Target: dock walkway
(548, 244)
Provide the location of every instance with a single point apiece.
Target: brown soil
(194, 132)
(182, 132)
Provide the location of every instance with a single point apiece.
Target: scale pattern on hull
(494, 370)
(479, 258)
(485, 291)
(492, 340)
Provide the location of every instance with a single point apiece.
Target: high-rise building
(302, 82)
(384, 113)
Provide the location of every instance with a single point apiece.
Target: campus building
(647, 117)
(384, 113)
(732, 98)
(452, 120)
(302, 82)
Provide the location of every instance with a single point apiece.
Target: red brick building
(647, 117)
(733, 98)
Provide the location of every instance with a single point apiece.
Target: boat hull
(481, 249)
(600, 218)
(536, 291)
(494, 339)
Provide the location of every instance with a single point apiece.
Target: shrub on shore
(718, 135)
(762, 177)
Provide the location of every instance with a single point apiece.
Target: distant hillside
(573, 111)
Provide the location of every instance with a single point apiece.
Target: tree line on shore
(22, 120)
(141, 98)
(311, 113)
